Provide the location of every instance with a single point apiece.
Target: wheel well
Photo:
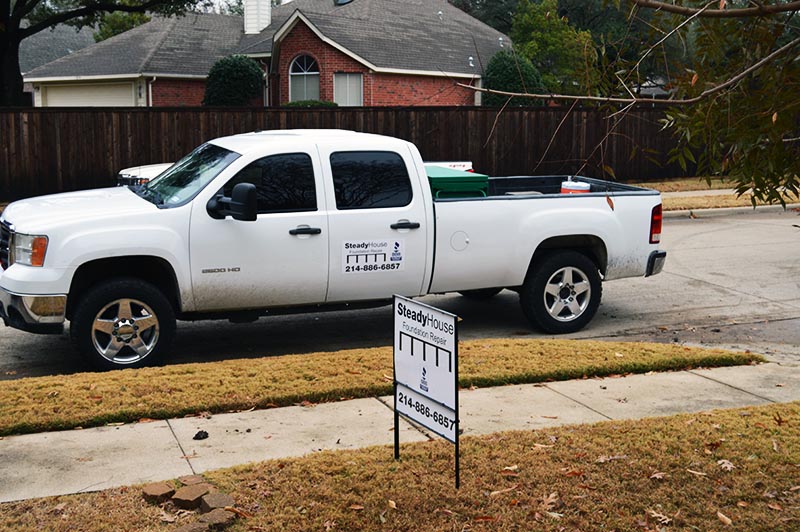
(154, 270)
(590, 245)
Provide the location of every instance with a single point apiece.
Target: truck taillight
(655, 224)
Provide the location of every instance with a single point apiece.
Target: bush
(311, 103)
(511, 72)
(233, 81)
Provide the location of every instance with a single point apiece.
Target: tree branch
(648, 101)
(94, 7)
(760, 9)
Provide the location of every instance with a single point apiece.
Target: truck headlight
(27, 249)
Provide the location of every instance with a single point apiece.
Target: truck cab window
(370, 180)
(284, 183)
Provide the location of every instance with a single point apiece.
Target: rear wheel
(123, 323)
(563, 293)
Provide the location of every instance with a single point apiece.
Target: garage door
(97, 95)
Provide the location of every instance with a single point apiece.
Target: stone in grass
(217, 519)
(188, 497)
(158, 491)
(188, 480)
(212, 501)
(193, 527)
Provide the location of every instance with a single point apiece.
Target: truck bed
(526, 186)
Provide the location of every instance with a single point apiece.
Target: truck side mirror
(242, 205)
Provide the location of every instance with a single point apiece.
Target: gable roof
(184, 46)
(50, 44)
(413, 35)
(385, 35)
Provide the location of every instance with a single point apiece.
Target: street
(732, 279)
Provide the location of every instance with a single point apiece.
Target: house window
(348, 89)
(303, 79)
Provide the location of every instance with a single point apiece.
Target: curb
(723, 211)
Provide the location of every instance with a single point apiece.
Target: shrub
(233, 81)
(511, 72)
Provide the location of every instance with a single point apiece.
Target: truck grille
(5, 239)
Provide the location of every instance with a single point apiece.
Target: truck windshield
(187, 177)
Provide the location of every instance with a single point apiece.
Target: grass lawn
(685, 184)
(705, 202)
(90, 399)
(724, 470)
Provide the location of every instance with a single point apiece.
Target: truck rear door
(378, 226)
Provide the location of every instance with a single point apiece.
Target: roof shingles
(418, 35)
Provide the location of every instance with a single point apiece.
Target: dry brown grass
(685, 184)
(91, 399)
(704, 202)
(645, 475)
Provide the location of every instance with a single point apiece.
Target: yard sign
(426, 370)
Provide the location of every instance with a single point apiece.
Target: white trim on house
(297, 16)
(112, 77)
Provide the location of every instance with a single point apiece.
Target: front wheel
(123, 323)
(563, 293)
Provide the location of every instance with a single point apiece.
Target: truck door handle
(305, 231)
(405, 224)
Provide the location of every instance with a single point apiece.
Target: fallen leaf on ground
(240, 513)
(392, 504)
(552, 501)
(661, 518)
(698, 473)
(550, 417)
(775, 506)
(742, 504)
(658, 475)
(356, 507)
(542, 446)
(724, 518)
(500, 492)
(604, 459)
(167, 518)
(726, 465)
(485, 519)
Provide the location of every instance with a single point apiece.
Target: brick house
(352, 52)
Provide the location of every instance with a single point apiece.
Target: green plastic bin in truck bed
(449, 183)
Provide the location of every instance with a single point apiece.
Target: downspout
(150, 91)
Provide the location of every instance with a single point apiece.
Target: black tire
(556, 306)
(481, 294)
(123, 323)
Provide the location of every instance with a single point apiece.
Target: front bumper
(655, 263)
(41, 314)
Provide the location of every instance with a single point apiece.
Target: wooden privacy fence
(51, 150)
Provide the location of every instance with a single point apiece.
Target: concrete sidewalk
(76, 461)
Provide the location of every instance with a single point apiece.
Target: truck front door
(280, 259)
(378, 225)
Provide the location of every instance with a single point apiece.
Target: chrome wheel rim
(125, 331)
(567, 294)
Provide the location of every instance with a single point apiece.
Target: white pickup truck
(301, 220)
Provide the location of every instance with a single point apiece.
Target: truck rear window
(370, 180)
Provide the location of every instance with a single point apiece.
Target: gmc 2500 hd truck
(292, 221)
